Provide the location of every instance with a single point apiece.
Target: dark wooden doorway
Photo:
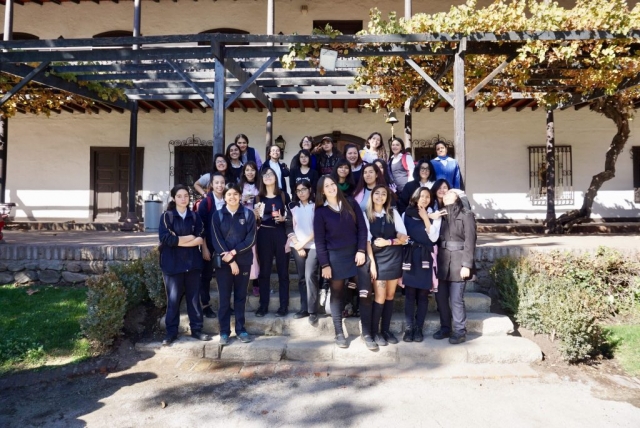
(110, 182)
(190, 163)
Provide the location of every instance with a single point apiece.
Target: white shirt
(368, 155)
(397, 222)
(303, 223)
(276, 167)
(219, 202)
(182, 214)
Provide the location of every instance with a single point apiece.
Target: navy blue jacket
(175, 259)
(237, 232)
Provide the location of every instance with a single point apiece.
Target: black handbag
(217, 261)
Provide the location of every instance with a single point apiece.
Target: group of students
(360, 219)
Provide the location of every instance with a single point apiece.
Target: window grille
(538, 175)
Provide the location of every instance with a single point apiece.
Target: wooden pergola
(226, 71)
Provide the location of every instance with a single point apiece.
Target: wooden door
(190, 163)
(110, 182)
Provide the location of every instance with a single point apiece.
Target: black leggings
(412, 317)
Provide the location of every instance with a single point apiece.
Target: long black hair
(379, 178)
(262, 188)
(435, 187)
(384, 170)
(413, 202)
(295, 200)
(295, 162)
(349, 178)
(172, 203)
(416, 171)
(342, 200)
(243, 178)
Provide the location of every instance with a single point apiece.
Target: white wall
(49, 171)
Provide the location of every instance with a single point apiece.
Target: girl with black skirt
(180, 234)
(341, 243)
(419, 261)
(387, 235)
(272, 238)
(234, 235)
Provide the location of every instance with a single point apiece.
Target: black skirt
(389, 262)
(342, 262)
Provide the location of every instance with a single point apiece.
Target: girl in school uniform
(303, 249)
(374, 149)
(387, 235)
(352, 154)
(180, 234)
(234, 235)
(280, 168)
(423, 226)
(249, 181)
(303, 170)
(371, 177)
(272, 238)
(342, 175)
(340, 234)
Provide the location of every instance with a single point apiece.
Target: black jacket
(237, 232)
(457, 245)
(175, 259)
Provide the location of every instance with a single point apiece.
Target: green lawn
(627, 350)
(42, 328)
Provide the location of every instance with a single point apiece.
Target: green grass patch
(42, 328)
(626, 349)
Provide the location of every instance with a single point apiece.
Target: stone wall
(51, 264)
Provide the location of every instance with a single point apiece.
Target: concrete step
(293, 283)
(475, 302)
(477, 350)
(480, 323)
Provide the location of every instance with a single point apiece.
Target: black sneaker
(301, 314)
(440, 334)
(380, 340)
(261, 312)
(201, 336)
(169, 339)
(208, 312)
(417, 335)
(369, 342)
(282, 312)
(408, 334)
(341, 341)
(313, 319)
(457, 339)
(389, 337)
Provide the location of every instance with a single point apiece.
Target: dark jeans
(452, 292)
(187, 283)
(308, 272)
(271, 242)
(205, 281)
(228, 283)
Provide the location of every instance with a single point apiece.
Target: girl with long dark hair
(387, 234)
(439, 189)
(234, 235)
(304, 171)
(371, 177)
(423, 176)
(221, 165)
(272, 237)
(419, 261)
(249, 184)
(383, 166)
(303, 249)
(341, 243)
(305, 144)
(352, 154)
(180, 234)
(342, 175)
(401, 164)
(234, 158)
(374, 149)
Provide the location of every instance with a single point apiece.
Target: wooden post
(551, 173)
(407, 9)
(219, 116)
(4, 121)
(132, 220)
(408, 106)
(4, 140)
(459, 108)
(271, 19)
(269, 127)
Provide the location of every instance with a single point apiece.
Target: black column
(551, 172)
(4, 140)
(132, 219)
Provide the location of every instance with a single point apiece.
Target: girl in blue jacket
(180, 233)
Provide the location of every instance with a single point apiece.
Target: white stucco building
(51, 169)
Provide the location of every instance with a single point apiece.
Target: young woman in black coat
(456, 265)
(423, 176)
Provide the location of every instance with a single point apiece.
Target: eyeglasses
(268, 174)
(241, 142)
(424, 168)
(304, 189)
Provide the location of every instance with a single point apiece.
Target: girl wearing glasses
(423, 176)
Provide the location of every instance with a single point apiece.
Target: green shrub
(568, 296)
(131, 275)
(107, 306)
(152, 278)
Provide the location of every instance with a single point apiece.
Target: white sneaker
(323, 297)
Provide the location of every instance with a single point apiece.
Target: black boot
(375, 322)
(408, 334)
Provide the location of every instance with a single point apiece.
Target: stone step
(293, 282)
(475, 302)
(486, 324)
(477, 350)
